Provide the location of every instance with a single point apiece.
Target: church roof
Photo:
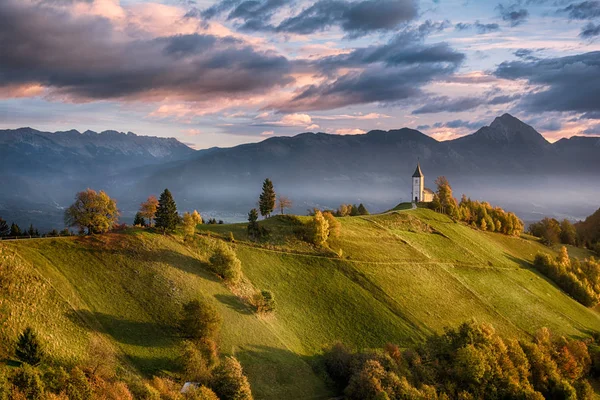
(418, 173)
(427, 190)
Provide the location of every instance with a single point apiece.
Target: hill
(401, 276)
(505, 163)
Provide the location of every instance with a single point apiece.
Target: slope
(398, 277)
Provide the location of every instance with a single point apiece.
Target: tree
(447, 202)
(139, 220)
(199, 320)
(229, 382)
(166, 212)
(4, 229)
(189, 224)
(29, 382)
(319, 229)
(148, 209)
(29, 349)
(253, 228)
(264, 301)
(334, 227)
(101, 357)
(93, 210)
(266, 202)
(354, 211)
(283, 203)
(224, 262)
(196, 368)
(568, 233)
(362, 210)
(14, 230)
(197, 217)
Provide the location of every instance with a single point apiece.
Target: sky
(222, 73)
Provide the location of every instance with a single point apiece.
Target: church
(420, 194)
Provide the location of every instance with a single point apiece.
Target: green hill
(400, 277)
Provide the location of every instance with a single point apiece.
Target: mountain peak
(508, 129)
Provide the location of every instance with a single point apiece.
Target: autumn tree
(568, 233)
(229, 381)
(319, 229)
(189, 224)
(148, 209)
(447, 202)
(283, 202)
(92, 210)
(334, 226)
(166, 212)
(266, 202)
(29, 348)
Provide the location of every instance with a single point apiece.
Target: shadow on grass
(284, 373)
(125, 331)
(233, 303)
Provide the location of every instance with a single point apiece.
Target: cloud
(350, 131)
(267, 133)
(459, 123)
(513, 14)
(383, 74)
(590, 31)
(352, 117)
(356, 18)
(459, 104)
(563, 83)
(291, 120)
(192, 132)
(583, 10)
(85, 58)
(478, 26)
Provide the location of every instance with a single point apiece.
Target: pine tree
(139, 220)
(29, 349)
(166, 212)
(266, 202)
(253, 229)
(362, 210)
(354, 211)
(4, 229)
(15, 230)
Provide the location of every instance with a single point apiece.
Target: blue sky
(221, 73)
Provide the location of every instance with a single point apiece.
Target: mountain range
(508, 162)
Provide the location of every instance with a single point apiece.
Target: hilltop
(399, 277)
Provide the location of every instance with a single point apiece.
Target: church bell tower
(418, 185)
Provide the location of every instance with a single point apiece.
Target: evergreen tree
(139, 220)
(253, 229)
(31, 230)
(354, 211)
(266, 202)
(4, 229)
(15, 230)
(166, 212)
(362, 210)
(29, 349)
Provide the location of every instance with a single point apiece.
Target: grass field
(401, 276)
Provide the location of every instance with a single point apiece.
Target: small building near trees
(420, 194)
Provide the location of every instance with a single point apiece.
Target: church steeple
(418, 173)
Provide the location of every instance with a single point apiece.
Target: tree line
(583, 233)
(15, 230)
(467, 363)
(480, 215)
(580, 279)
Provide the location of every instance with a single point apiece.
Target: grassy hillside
(400, 277)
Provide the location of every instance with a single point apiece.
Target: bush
(224, 262)
(229, 381)
(28, 381)
(78, 387)
(195, 366)
(264, 301)
(199, 320)
(200, 393)
(29, 349)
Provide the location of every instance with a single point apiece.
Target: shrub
(78, 387)
(334, 225)
(264, 301)
(229, 381)
(195, 366)
(29, 349)
(224, 262)
(200, 393)
(200, 320)
(28, 381)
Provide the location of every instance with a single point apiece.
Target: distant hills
(505, 162)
